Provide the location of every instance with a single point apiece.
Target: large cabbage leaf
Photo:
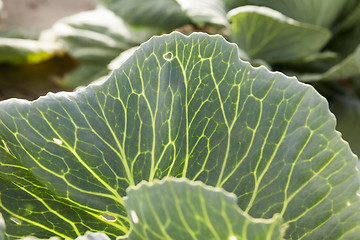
(184, 107)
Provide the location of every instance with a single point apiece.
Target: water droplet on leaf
(15, 220)
(57, 141)
(134, 216)
(5, 145)
(108, 218)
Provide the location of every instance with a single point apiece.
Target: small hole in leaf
(134, 216)
(168, 56)
(232, 237)
(57, 141)
(15, 220)
(108, 218)
(348, 204)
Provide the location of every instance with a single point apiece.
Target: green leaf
(230, 4)
(21, 33)
(169, 14)
(203, 12)
(352, 19)
(94, 38)
(326, 56)
(347, 68)
(188, 107)
(30, 208)
(159, 14)
(346, 43)
(267, 34)
(25, 51)
(320, 12)
(191, 210)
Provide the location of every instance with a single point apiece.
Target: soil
(40, 14)
(30, 82)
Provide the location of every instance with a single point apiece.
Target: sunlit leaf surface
(186, 107)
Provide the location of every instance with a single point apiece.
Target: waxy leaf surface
(30, 208)
(188, 107)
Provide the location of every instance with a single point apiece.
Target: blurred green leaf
(94, 38)
(346, 42)
(169, 14)
(352, 19)
(347, 68)
(264, 33)
(318, 12)
(318, 57)
(26, 51)
(203, 12)
(159, 14)
(230, 4)
(21, 33)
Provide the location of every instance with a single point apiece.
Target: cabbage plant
(183, 141)
(316, 41)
